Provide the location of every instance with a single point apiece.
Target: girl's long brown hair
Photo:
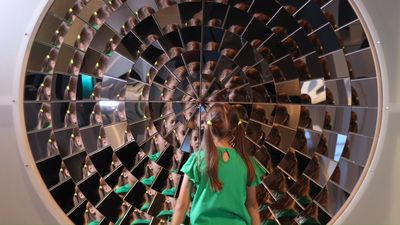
(224, 124)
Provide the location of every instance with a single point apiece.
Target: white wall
(378, 200)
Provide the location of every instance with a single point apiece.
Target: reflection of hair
(229, 52)
(236, 29)
(274, 136)
(193, 22)
(214, 22)
(261, 17)
(305, 120)
(238, 95)
(291, 164)
(279, 31)
(128, 25)
(211, 46)
(209, 67)
(280, 115)
(234, 82)
(165, 3)
(44, 121)
(144, 12)
(41, 93)
(193, 67)
(253, 76)
(323, 145)
(192, 45)
(170, 28)
(225, 123)
(312, 169)
(302, 69)
(277, 73)
(353, 122)
(300, 140)
(327, 121)
(174, 51)
(260, 94)
(241, 6)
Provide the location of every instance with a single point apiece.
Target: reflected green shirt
(228, 205)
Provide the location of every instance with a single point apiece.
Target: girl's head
(223, 123)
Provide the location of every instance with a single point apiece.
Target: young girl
(225, 177)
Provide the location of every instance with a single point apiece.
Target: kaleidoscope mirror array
(116, 93)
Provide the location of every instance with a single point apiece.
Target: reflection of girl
(88, 168)
(119, 113)
(70, 90)
(92, 215)
(70, 118)
(49, 62)
(144, 12)
(44, 117)
(44, 91)
(84, 38)
(78, 196)
(128, 136)
(75, 142)
(128, 25)
(75, 64)
(96, 116)
(180, 132)
(102, 140)
(96, 95)
(215, 180)
(104, 188)
(52, 147)
(194, 140)
(63, 173)
(59, 34)
(99, 17)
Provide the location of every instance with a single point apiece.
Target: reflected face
(98, 118)
(106, 188)
(81, 196)
(73, 118)
(194, 140)
(104, 142)
(170, 122)
(160, 142)
(78, 141)
(48, 116)
(91, 169)
(180, 133)
(129, 136)
(47, 91)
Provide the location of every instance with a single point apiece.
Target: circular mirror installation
(116, 93)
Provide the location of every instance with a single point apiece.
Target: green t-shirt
(228, 205)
